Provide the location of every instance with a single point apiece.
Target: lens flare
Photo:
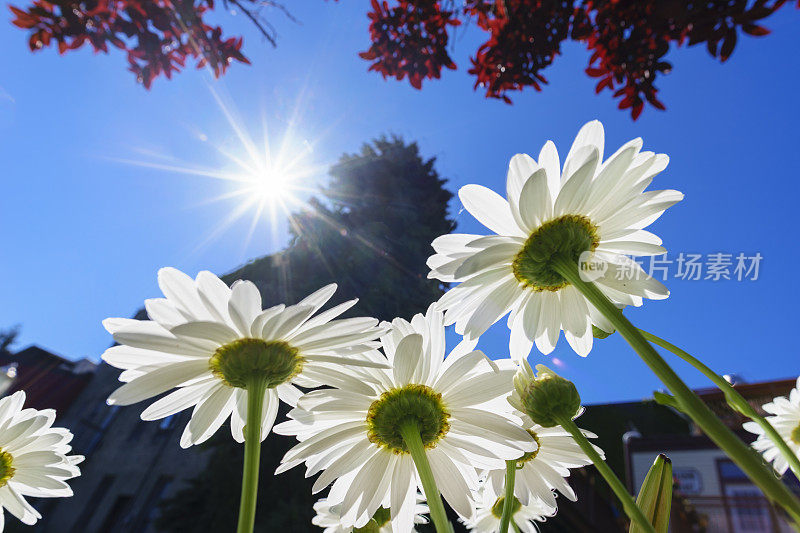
(267, 179)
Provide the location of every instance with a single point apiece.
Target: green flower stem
(256, 388)
(744, 456)
(734, 399)
(413, 440)
(508, 502)
(631, 509)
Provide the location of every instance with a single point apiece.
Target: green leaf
(666, 399)
(655, 496)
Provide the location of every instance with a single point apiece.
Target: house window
(138, 428)
(150, 510)
(99, 430)
(92, 505)
(167, 423)
(749, 510)
(116, 516)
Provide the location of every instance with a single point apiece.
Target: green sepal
(549, 398)
(598, 333)
(370, 527)
(381, 517)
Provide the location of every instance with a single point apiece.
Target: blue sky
(84, 232)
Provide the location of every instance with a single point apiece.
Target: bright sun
(271, 179)
(268, 178)
(270, 185)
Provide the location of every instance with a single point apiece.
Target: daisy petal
(490, 209)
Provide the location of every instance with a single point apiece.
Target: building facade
(49, 380)
(130, 465)
(721, 496)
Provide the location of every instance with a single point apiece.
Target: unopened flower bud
(655, 496)
(546, 397)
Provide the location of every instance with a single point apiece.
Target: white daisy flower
(544, 470)
(33, 458)
(207, 340)
(328, 518)
(588, 206)
(489, 511)
(785, 418)
(458, 403)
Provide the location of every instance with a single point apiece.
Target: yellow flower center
(795, 435)
(6, 467)
(566, 236)
(497, 508)
(530, 456)
(411, 403)
(240, 361)
(381, 517)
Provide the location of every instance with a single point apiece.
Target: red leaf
(604, 83)
(637, 110)
(727, 46)
(754, 30)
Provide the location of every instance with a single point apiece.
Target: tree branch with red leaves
(410, 39)
(157, 36)
(628, 40)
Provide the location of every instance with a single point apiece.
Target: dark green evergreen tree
(370, 232)
(7, 338)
